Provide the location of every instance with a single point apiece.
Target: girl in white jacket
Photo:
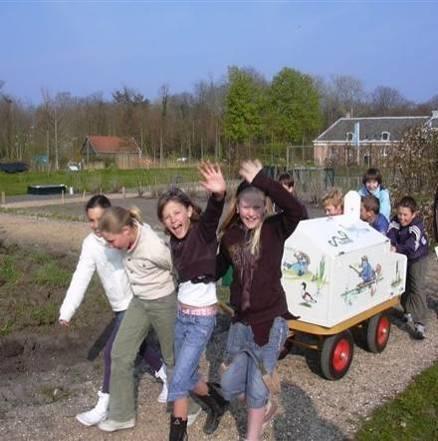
(96, 255)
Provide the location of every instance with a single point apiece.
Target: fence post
(3, 198)
(124, 192)
(62, 197)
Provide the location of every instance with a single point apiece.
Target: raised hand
(214, 181)
(249, 169)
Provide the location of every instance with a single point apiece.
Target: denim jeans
(249, 361)
(192, 333)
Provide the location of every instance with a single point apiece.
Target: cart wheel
(377, 332)
(336, 355)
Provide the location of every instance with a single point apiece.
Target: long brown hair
(115, 218)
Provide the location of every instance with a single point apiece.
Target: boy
(288, 183)
(333, 202)
(369, 212)
(372, 185)
(407, 236)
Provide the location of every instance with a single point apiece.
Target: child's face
(332, 210)
(94, 215)
(366, 215)
(251, 211)
(121, 241)
(405, 216)
(176, 218)
(372, 185)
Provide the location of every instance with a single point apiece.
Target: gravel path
(39, 406)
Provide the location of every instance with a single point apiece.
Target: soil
(46, 377)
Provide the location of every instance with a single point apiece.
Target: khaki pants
(140, 315)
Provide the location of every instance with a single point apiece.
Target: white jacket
(149, 265)
(97, 255)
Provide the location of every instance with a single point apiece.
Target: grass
(412, 416)
(8, 270)
(50, 275)
(108, 180)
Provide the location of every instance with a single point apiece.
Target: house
(365, 140)
(97, 151)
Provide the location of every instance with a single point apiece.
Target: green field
(411, 416)
(93, 181)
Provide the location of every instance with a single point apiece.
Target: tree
(242, 114)
(388, 101)
(294, 106)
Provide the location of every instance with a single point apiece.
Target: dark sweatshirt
(194, 256)
(267, 297)
(410, 240)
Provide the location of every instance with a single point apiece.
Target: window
(349, 136)
(385, 136)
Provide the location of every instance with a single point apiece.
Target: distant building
(365, 140)
(98, 151)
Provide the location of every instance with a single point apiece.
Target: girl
(97, 256)
(253, 244)
(372, 184)
(147, 262)
(193, 243)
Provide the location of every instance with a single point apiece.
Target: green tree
(243, 102)
(294, 107)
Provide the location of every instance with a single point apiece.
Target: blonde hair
(115, 218)
(333, 197)
(233, 217)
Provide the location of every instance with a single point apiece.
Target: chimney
(348, 115)
(434, 114)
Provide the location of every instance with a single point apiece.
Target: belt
(207, 310)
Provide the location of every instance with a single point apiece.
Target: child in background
(407, 235)
(333, 202)
(253, 244)
(288, 183)
(194, 245)
(97, 256)
(369, 212)
(372, 184)
(148, 265)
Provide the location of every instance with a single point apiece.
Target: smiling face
(251, 208)
(405, 215)
(121, 241)
(176, 218)
(94, 215)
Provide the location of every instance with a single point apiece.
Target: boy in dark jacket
(407, 236)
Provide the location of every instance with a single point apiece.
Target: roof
(112, 144)
(371, 128)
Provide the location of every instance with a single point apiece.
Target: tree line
(239, 115)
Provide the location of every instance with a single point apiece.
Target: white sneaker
(420, 331)
(112, 426)
(191, 418)
(161, 374)
(98, 413)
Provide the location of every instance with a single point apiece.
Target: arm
(78, 285)
(214, 182)
(385, 203)
(411, 245)
(158, 251)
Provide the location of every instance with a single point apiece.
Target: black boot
(215, 405)
(178, 429)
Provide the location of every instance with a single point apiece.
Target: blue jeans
(192, 333)
(249, 361)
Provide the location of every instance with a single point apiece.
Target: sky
(88, 47)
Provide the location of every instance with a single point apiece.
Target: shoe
(98, 413)
(407, 318)
(161, 374)
(191, 418)
(111, 425)
(419, 331)
(270, 412)
(178, 429)
(215, 405)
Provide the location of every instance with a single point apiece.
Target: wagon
(341, 278)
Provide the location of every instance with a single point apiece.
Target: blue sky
(86, 47)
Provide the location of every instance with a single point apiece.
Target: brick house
(365, 140)
(125, 153)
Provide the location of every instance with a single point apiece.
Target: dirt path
(40, 405)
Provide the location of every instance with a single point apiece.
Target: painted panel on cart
(334, 268)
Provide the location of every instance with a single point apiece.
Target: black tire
(336, 355)
(378, 329)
